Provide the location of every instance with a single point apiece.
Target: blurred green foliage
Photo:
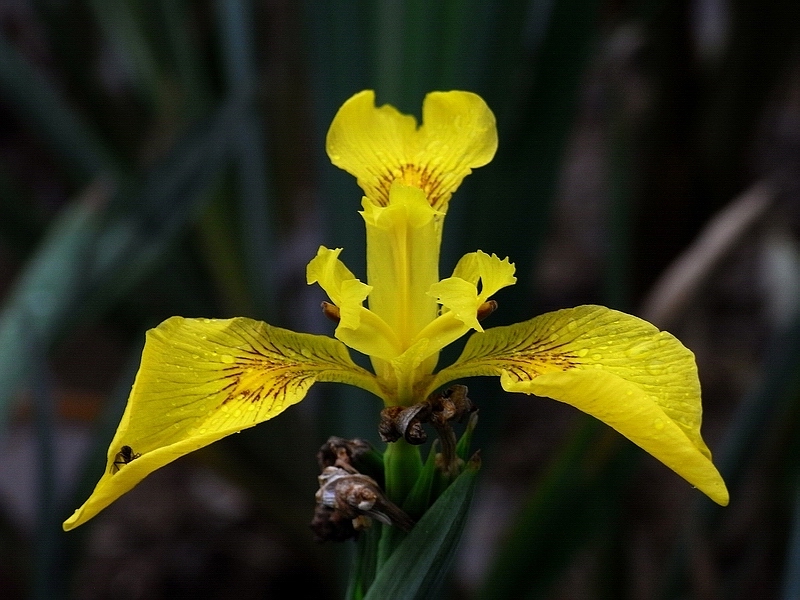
(163, 157)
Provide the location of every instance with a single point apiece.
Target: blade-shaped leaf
(417, 567)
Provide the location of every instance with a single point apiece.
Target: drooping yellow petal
(379, 145)
(201, 380)
(618, 368)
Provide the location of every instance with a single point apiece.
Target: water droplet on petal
(572, 325)
(655, 367)
(227, 358)
(597, 356)
(658, 424)
(583, 352)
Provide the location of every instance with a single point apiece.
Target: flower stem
(402, 464)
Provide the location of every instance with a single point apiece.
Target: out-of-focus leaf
(249, 152)
(535, 105)
(40, 303)
(572, 502)
(42, 109)
(97, 249)
(47, 582)
(123, 27)
(791, 573)
(417, 567)
(767, 403)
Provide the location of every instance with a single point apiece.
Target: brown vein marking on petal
(419, 176)
(530, 362)
(257, 379)
(264, 372)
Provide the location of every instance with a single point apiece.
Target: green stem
(402, 467)
(402, 464)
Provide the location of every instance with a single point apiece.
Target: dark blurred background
(162, 157)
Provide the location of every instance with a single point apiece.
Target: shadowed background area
(163, 157)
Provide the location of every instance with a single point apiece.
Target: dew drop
(597, 356)
(583, 352)
(658, 424)
(655, 367)
(635, 351)
(227, 358)
(306, 352)
(572, 325)
(553, 337)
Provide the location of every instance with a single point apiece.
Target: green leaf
(417, 567)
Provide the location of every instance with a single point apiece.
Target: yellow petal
(358, 327)
(201, 380)
(460, 293)
(379, 145)
(347, 292)
(460, 297)
(403, 241)
(618, 368)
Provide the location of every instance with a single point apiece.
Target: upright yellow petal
(379, 145)
(618, 368)
(201, 380)
(403, 240)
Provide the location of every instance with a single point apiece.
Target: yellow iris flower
(203, 379)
